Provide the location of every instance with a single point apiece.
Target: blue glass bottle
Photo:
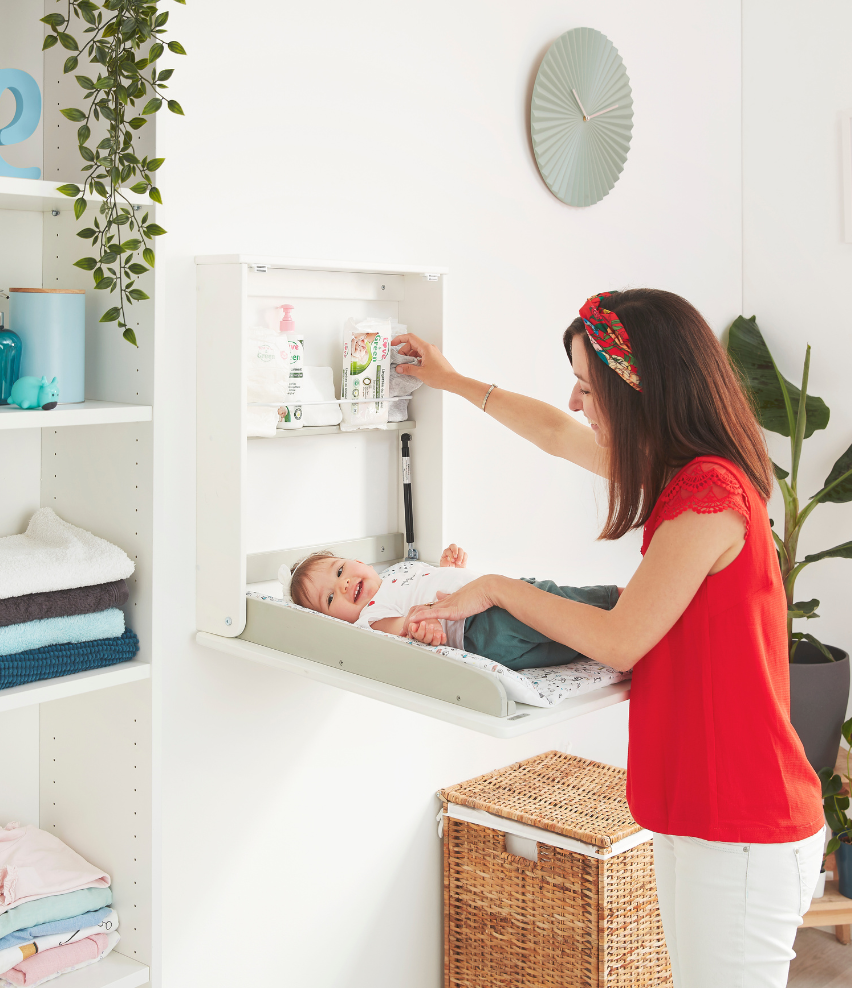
(10, 361)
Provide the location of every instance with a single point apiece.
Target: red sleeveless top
(712, 752)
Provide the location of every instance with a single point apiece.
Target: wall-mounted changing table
(259, 498)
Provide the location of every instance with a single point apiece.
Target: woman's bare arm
(682, 553)
(547, 427)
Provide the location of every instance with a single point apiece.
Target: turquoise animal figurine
(34, 392)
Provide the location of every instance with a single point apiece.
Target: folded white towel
(261, 420)
(318, 385)
(53, 555)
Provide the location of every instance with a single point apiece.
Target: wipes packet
(366, 369)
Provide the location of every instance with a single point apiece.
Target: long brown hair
(692, 404)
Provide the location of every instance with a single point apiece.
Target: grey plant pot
(819, 692)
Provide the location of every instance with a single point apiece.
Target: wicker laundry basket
(548, 881)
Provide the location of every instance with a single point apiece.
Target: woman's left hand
(473, 598)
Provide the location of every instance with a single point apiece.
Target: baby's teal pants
(499, 636)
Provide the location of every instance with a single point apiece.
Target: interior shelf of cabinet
(331, 430)
(79, 682)
(37, 196)
(87, 412)
(114, 971)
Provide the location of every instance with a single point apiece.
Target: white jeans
(730, 911)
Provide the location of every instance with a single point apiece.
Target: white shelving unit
(83, 413)
(334, 430)
(92, 463)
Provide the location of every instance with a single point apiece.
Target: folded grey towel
(400, 384)
(62, 603)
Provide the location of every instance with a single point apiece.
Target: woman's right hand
(434, 369)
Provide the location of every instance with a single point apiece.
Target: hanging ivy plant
(125, 40)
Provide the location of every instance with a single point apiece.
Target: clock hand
(576, 97)
(613, 107)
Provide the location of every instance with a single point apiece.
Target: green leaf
(86, 263)
(780, 472)
(85, 81)
(175, 107)
(154, 193)
(69, 190)
(165, 74)
(104, 284)
(86, 153)
(152, 105)
(128, 334)
(73, 114)
(137, 268)
(748, 351)
(137, 122)
(53, 20)
(155, 52)
(846, 731)
(138, 295)
(831, 784)
(177, 48)
(67, 41)
(79, 207)
(83, 134)
(148, 254)
(49, 42)
(154, 230)
(70, 64)
(140, 188)
(155, 163)
(843, 551)
(88, 232)
(842, 492)
(111, 315)
(805, 607)
(110, 257)
(106, 83)
(130, 245)
(800, 636)
(832, 845)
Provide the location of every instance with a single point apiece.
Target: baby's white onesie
(414, 582)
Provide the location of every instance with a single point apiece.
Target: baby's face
(342, 587)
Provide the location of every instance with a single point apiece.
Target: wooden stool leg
(842, 933)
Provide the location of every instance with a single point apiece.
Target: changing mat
(536, 687)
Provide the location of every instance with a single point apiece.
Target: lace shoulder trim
(705, 488)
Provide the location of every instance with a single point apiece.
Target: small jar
(10, 361)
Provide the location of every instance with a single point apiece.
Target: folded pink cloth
(34, 863)
(47, 963)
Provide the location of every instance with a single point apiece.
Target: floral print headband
(610, 339)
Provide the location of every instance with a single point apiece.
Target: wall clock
(581, 118)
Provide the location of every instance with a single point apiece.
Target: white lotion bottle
(293, 353)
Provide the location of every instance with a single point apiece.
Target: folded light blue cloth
(51, 907)
(81, 922)
(61, 630)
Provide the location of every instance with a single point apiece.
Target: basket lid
(562, 793)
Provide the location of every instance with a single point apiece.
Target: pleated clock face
(582, 117)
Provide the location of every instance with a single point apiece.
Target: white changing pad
(536, 687)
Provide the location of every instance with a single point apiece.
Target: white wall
(797, 269)
(397, 131)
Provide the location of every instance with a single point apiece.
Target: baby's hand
(454, 556)
(429, 631)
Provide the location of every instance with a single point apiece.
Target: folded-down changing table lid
(560, 793)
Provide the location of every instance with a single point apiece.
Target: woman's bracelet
(487, 396)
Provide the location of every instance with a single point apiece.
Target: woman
(715, 768)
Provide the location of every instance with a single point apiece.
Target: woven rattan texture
(565, 921)
(557, 792)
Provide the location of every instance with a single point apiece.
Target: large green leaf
(748, 351)
(843, 551)
(843, 491)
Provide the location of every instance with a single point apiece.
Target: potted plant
(819, 674)
(835, 796)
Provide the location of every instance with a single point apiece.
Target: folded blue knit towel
(29, 635)
(63, 660)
